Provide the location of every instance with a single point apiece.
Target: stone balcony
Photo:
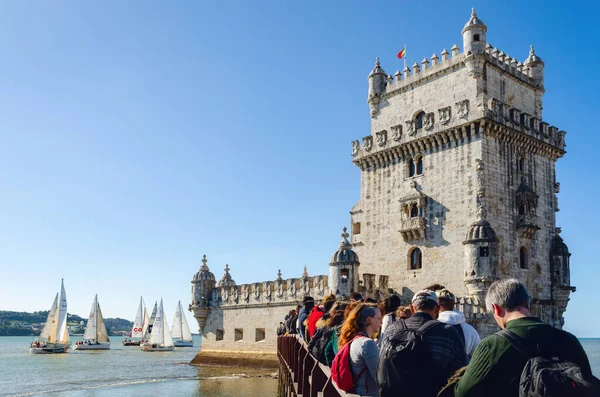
(413, 228)
(527, 225)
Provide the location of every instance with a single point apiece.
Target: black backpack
(549, 377)
(402, 358)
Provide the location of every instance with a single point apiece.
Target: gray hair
(509, 294)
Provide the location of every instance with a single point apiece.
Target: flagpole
(404, 56)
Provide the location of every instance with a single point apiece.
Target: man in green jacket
(496, 366)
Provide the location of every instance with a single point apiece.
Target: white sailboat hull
(99, 346)
(50, 348)
(158, 349)
(183, 343)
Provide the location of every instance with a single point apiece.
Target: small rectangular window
(484, 252)
(476, 37)
(260, 334)
(344, 274)
(239, 334)
(219, 334)
(356, 228)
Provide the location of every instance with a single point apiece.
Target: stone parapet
(284, 292)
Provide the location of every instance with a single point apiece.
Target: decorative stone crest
(463, 108)
(256, 290)
(544, 129)
(429, 119)
(235, 294)
(368, 143)
(494, 107)
(396, 132)
(445, 115)
(535, 125)
(526, 120)
(411, 127)
(268, 291)
(381, 137)
(355, 147)
(224, 295)
(246, 293)
(515, 116)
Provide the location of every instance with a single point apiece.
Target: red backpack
(341, 369)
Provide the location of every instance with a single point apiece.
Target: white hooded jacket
(455, 317)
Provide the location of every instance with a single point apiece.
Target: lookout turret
(343, 269)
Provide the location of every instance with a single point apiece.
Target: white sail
(168, 340)
(181, 329)
(176, 328)
(92, 323)
(59, 332)
(48, 325)
(151, 322)
(157, 335)
(102, 333)
(186, 333)
(138, 325)
(146, 322)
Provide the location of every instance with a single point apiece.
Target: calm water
(121, 371)
(126, 371)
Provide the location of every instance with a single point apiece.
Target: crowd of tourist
(427, 348)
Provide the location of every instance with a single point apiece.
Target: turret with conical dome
(474, 35)
(343, 269)
(203, 284)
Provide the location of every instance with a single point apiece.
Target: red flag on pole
(402, 53)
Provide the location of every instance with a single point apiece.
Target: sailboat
(95, 336)
(139, 326)
(160, 338)
(180, 331)
(147, 329)
(55, 334)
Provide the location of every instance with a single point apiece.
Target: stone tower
(343, 269)
(458, 178)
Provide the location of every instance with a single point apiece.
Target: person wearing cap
(448, 315)
(443, 344)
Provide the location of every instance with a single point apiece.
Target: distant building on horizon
(458, 187)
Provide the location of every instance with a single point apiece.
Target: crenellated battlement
(509, 65)
(286, 292)
(427, 70)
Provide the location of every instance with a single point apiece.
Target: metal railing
(300, 374)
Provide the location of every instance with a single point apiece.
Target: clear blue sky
(137, 136)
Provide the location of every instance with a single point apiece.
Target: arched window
(411, 167)
(419, 120)
(523, 258)
(415, 259)
(414, 211)
(419, 166)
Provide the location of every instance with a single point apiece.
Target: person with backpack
(354, 367)
(419, 354)
(448, 315)
(309, 304)
(517, 360)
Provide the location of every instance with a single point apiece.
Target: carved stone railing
(413, 228)
(300, 374)
(527, 225)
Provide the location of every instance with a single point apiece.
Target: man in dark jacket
(309, 303)
(443, 344)
(496, 366)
